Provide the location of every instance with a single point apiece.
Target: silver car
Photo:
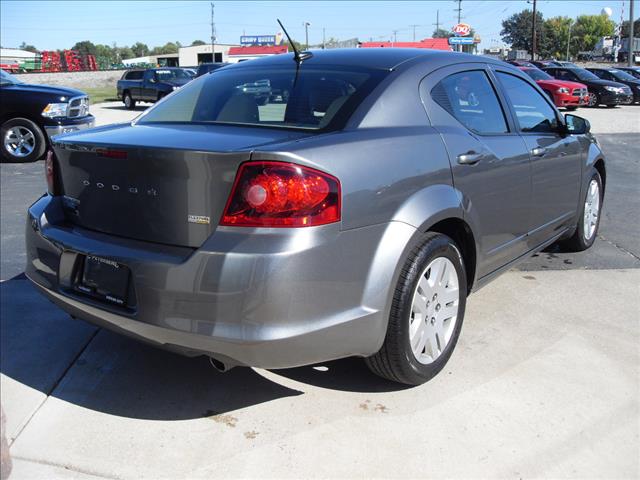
(351, 216)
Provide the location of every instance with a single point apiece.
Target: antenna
(296, 54)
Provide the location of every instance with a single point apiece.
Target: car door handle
(469, 158)
(538, 151)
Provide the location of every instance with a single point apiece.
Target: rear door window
(533, 112)
(135, 75)
(470, 98)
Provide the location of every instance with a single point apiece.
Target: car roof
(373, 58)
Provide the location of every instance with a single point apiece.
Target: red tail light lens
(277, 194)
(50, 172)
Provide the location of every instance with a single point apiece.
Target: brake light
(50, 172)
(278, 194)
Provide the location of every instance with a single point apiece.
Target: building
(197, 54)
(240, 54)
(431, 43)
(15, 59)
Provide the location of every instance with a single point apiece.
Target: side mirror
(576, 125)
(152, 79)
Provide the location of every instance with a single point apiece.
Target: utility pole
(414, 31)
(459, 10)
(533, 33)
(630, 55)
(437, 24)
(213, 37)
(323, 39)
(395, 36)
(306, 35)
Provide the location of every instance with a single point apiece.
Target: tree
(195, 43)
(588, 29)
(298, 45)
(441, 33)
(125, 53)
(85, 47)
(516, 30)
(555, 33)
(168, 47)
(28, 48)
(140, 49)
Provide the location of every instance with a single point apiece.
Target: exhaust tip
(219, 366)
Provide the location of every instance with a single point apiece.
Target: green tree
(28, 48)
(516, 30)
(140, 49)
(125, 53)
(554, 36)
(197, 42)
(298, 45)
(588, 29)
(441, 33)
(85, 47)
(168, 47)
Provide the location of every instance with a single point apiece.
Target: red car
(563, 93)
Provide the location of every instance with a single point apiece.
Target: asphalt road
(545, 381)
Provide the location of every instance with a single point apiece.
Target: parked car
(563, 63)
(600, 91)
(546, 63)
(31, 114)
(352, 220)
(635, 71)
(620, 76)
(151, 85)
(209, 67)
(521, 63)
(191, 72)
(570, 95)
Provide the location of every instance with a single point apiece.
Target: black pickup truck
(31, 114)
(149, 85)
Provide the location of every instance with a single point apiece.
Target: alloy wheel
(19, 141)
(434, 310)
(591, 210)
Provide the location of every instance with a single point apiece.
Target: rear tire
(589, 218)
(129, 102)
(21, 141)
(423, 329)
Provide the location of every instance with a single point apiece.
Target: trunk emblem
(200, 219)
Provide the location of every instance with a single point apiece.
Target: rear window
(313, 98)
(164, 75)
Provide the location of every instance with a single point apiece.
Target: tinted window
(273, 97)
(620, 75)
(168, 75)
(537, 74)
(135, 75)
(533, 113)
(470, 98)
(565, 75)
(583, 74)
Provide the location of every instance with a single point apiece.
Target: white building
(194, 56)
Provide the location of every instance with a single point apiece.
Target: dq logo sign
(462, 29)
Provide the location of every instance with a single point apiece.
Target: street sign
(461, 40)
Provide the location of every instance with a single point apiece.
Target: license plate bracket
(105, 279)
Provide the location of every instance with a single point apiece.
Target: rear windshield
(313, 98)
(163, 75)
(537, 74)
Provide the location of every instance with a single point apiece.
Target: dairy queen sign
(462, 30)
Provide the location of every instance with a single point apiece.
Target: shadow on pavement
(43, 348)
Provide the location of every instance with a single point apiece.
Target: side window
(149, 75)
(470, 98)
(599, 73)
(533, 112)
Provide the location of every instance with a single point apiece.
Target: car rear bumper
(270, 298)
(70, 125)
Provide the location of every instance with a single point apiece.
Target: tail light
(50, 172)
(277, 194)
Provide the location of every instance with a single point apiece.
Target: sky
(51, 25)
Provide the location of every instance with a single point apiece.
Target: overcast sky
(59, 25)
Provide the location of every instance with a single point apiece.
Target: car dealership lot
(545, 381)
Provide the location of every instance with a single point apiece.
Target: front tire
(22, 141)
(129, 102)
(589, 218)
(594, 99)
(426, 313)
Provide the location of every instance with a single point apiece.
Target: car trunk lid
(166, 184)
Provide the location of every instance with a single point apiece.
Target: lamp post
(306, 35)
(569, 38)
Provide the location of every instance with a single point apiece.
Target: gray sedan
(347, 207)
